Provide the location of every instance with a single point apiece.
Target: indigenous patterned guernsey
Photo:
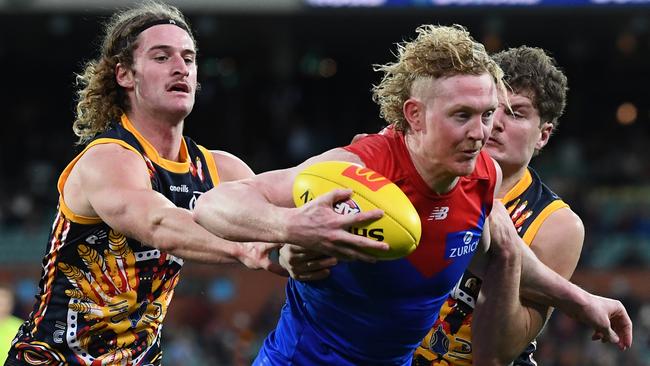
(376, 314)
(103, 296)
(449, 342)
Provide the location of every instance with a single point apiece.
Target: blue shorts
(296, 342)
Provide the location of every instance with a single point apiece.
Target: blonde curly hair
(437, 51)
(100, 100)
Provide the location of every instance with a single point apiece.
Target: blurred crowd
(278, 89)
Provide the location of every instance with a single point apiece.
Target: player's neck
(510, 178)
(165, 136)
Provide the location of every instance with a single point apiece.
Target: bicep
(116, 183)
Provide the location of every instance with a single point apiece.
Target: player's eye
(487, 116)
(517, 114)
(462, 116)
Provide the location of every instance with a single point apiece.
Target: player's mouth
(179, 87)
(493, 142)
(471, 153)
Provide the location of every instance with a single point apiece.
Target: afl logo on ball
(346, 207)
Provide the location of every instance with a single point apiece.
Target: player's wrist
(577, 301)
(569, 298)
(287, 228)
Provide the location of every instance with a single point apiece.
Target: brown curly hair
(437, 51)
(532, 70)
(100, 99)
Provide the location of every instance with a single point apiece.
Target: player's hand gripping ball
(400, 226)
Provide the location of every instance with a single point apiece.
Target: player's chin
(181, 109)
(492, 149)
(465, 167)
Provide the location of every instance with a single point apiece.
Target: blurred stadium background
(284, 79)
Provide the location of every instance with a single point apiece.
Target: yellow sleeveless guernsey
(103, 296)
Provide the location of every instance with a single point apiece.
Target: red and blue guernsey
(377, 314)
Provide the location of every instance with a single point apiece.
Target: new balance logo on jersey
(439, 213)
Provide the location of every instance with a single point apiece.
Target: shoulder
(371, 144)
(230, 167)
(562, 224)
(100, 162)
(558, 243)
(115, 153)
(101, 168)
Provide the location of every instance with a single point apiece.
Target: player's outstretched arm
(113, 183)
(607, 317)
(541, 285)
(261, 209)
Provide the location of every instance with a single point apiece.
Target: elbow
(481, 358)
(209, 217)
(201, 210)
(206, 215)
(497, 349)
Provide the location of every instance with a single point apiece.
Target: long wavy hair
(100, 99)
(437, 51)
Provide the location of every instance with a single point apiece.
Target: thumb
(277, 269)
(606, 336)
(612, 337)
(597, 336)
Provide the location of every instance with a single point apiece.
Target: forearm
(519, 321)
(542, 285)
(236, 211)
(499, 304)
(174, 231)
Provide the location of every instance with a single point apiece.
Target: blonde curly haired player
(436, 52)
(376, 314)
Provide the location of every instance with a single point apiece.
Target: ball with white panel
(400, 226)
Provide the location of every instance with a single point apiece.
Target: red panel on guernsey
(466, 205)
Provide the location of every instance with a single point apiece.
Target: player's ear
(413, 110)
(124, 76)
(546, 131)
